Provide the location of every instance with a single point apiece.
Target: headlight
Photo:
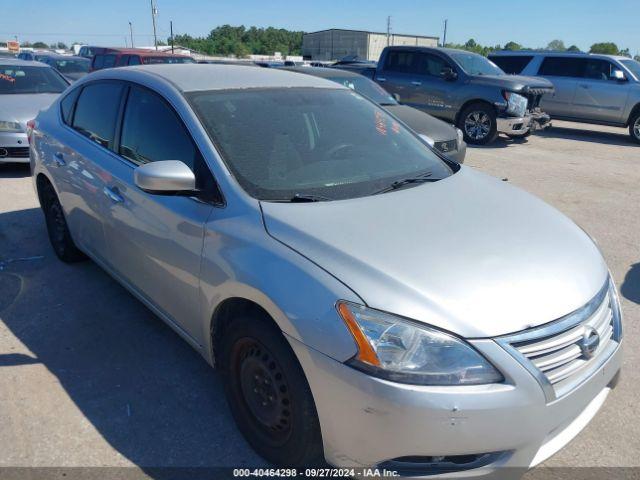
(6, 126)
(404, 351)
(516, 104)
(460, 136)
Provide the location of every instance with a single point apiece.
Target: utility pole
(388, 30)
(171, 27)
(154, 12)
(131, 33)
(444, 39)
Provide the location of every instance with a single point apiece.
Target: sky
(533, 24)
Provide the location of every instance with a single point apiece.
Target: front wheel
(269, 395)
(634, 127)
(478, 124)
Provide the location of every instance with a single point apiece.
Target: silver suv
(602, 89)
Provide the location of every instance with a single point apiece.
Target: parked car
(34, 56)
(122, 57)
(25, 88)
(440, 135)
(70, 67)
(368, 301)
(589, 88)
(463, 88)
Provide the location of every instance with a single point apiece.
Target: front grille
(14, 152)
(446, 147)
(565, 353)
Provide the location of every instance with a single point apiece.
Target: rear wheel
(478, 123)
(57, 228)
(268, 393)
(634, 126)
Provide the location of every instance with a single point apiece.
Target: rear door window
(96, 112)
(134, 60)
(513, 64)
(122, 61)
(563, 67)
(401, 62)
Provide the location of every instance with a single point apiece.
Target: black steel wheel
(268, 393)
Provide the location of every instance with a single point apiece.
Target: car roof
(324, 72)
(23, 63)
(555, 53)
(143, 52)
(192, 77)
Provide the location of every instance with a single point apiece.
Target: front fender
(240, 260)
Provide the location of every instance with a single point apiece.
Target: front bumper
(369, 422)
(514, 125)
(14, 147)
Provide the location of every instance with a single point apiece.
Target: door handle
(113, 194)
(58, 159)
(416, 83)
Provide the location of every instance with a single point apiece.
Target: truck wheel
(268, 393)
(57, 229)
(634, 126)
(478, 123)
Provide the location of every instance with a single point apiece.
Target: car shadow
(587, 135)
(501, 141)
(14, 170)
(150, 395)
(630, 288)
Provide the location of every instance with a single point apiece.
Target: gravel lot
(89, 377)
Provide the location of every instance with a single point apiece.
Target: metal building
(335, 44)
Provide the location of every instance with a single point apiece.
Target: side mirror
(396, 97)
(618, 75)
(165, 177)
(448, 74)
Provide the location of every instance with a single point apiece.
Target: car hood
(468, 254)
(515, 83)
(24, 107)
(423, 123)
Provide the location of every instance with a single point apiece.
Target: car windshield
(474, 64)
(26, 79)
(366, 87)
(633, 66)
(72, 66)
(154, 60)
(332, 143)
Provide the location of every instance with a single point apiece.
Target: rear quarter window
(514, 64)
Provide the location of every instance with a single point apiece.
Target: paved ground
(89, 377)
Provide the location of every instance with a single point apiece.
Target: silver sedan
(368, 302)
(25, 88)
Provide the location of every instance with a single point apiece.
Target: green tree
(557, 45)
(625, 52)
(607, 48)
(573, 48)
(637, 58)
(513, 46)
(39, 45)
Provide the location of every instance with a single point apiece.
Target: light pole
(154, 12)
(131, 33)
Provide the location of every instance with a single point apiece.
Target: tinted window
(109, 61)
(66, 105)
(401, 62)
(286, 141)
(151, 131)
(597, 69)
(122, 60)
(71, 66)
(511, 64)
(563, 67)
(27, 79)
(97, 111)
(431, 65)
(134, 60)
(98, 61)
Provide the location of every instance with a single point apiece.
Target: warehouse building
(335, 44)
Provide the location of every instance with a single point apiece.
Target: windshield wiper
(424, 178)
(308, 198)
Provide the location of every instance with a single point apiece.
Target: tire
(57, 229)
(268, 393)
(478, 124)
(634, 126)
